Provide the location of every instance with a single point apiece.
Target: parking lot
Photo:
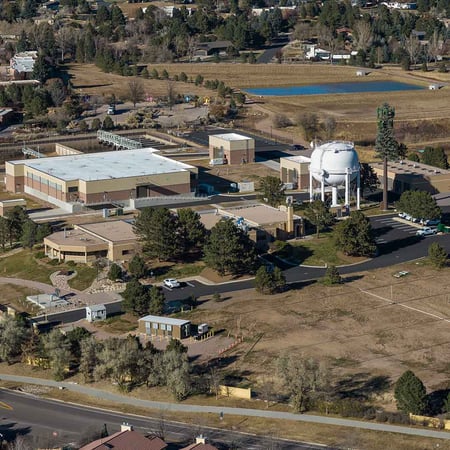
(390, 228)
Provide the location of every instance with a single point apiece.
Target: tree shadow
(362, 385)
(378, 232)
(436, 401)
(352, 278)
(393, 246)
(10, 433)
(301, 284)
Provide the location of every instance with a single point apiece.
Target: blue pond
(336, 88)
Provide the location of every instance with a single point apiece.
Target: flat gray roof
(298, 158)
(232, 137)
(114, 231)
(166, 320)
(106, 165)
(407, 167)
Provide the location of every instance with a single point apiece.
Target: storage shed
(165, 326)
(95, 313)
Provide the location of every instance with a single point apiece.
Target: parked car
(407, 217)
(426, 231)
(430, 222)
(111, 110)
(402, 215)
(298, 147)
(171, 283)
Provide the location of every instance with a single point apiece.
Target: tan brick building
(295, 170)
(164, 326)
(231, 148)
(409, 175)
(114, 240)
(100, 178)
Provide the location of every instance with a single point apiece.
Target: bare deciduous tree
(363, 36)
(326, 37)
(412, 47)
(135, 91)
(302, 378)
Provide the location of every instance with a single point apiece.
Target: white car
(426, 231)
(171, 283)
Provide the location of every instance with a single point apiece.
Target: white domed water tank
(331, 162)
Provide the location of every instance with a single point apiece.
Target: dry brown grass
(355, 114)
(355, 332)
(14, 295)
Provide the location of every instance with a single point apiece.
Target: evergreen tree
(191, 231)
(41, 69)
(385, 144)
(437, 255)
(157, 230)
(29, 234)
(157, 301)
(419, 204)
(229, 249)
(354, 236)
(269, 281)
(115, 272)
(435, 157)
(137, 267)
(410, 393)
(332, 276)
(136, 298)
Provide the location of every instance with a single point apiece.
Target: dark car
(298, 147)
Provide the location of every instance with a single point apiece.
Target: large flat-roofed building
(295, 170)
(100, 178)
(114, 240)
(409, 175)
(231, 148)
(262, 222)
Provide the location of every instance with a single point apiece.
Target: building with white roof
(22, 64)
(167, 327)
(294, 170)
(100, 178)
(231, 148)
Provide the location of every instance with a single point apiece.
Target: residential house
(127, 439)
(21, 64)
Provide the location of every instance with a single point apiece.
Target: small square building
(295, 170)
(231, 148)
(165, 327)
(95, 313)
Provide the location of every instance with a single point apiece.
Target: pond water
(336, 88)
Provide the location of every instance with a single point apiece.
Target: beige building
(119, 177)
(164, 326)
(409, 175)
(9, 205)
(295, 170)
(114, 240)
(231, 148)
(262, 222)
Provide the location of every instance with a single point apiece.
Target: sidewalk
(184, 407)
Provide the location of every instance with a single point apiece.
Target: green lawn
(25, 265)
(314, 252)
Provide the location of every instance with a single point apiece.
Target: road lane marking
(190, 284)
(5, 406)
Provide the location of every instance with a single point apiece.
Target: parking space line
(190, 284)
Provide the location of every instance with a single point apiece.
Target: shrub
(217, 297)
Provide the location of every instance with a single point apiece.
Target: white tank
(331, 162)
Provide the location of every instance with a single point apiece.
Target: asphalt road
(396, 241)
(52, 423)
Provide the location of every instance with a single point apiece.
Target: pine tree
(410, 394)
(229, 249)
(385, 144)
(354, 236)
(437, 255)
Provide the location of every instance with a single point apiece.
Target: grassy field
(25, 265)
(421, 117)
(14, 295)
(315, 252)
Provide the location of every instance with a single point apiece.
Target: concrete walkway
(183, 407)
